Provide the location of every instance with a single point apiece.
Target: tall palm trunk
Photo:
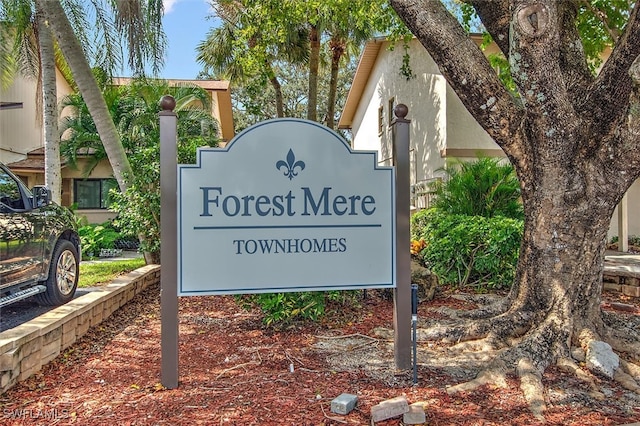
(337, 46)
(75, 57)
(314, 63)
(275, 83)
(52, 173)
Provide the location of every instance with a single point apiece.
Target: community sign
(286, 206)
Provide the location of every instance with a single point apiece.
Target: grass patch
(93, 274)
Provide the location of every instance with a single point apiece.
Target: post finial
(401, 111)
(167, 103)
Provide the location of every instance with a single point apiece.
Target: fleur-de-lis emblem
(290, 165)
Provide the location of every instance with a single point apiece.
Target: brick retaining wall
(623, 279)
(25, 349)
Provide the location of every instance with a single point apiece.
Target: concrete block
(68, 338)
(97, 315)
(50, 351)
(10, 359)
(83, 326)
(31, 362)
(415, 415)
(52, 336)
(25, 374)
(344, 403)
(8, 379)
(630, 290)
(390, 408)
(612, 287)
(32, 346)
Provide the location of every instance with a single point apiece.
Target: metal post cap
(401, 110)
(167, 103)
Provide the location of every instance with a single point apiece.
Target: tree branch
(467, 71)
(496, 17)
(608, 95)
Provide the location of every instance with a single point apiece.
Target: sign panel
(286, 206)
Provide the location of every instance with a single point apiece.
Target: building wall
(441, 126)
(633, 207)
(21, 128)
(439, 121)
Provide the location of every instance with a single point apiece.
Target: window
(10, 194)
(380, 120)
(93, 193)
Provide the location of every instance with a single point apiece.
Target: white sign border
(329, 287)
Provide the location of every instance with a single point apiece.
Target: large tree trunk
(574, 140)
(52, 172)
(75, 57)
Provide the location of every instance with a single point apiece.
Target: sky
(185, 24)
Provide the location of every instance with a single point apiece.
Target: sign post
(168, 274)
(402, 293)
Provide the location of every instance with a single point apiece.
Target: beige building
(441, 127)
(22, 144)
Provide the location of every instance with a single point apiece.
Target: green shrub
(94, 238)
(284, 308)
(633, 240)
(469, 250)
(484, 187)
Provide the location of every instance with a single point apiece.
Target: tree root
(568, 365)
(496, 377)
(520, 341)
(630, 368)
(630, 348)
(496, 328)
(626, 381)
(532, 387)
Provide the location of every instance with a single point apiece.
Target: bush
(469, 250)
(284, 308)
(484, 187)
(94, 238)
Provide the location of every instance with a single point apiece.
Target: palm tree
(141, 26)
(221, 53)
(137, 122)
(52, 166)
(28, 49)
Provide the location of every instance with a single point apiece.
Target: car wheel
(63, 275)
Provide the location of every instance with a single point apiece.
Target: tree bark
(52, 167)
(75, 57)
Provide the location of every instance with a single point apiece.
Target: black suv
(39, 245)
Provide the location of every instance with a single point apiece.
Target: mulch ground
(233, 371)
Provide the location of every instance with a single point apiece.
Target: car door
(21, 242)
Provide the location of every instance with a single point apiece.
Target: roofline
(363, 72)
(223, 92)
(366, 63)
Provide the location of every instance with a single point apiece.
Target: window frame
(105, 184)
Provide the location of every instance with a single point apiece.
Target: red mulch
(233, 371)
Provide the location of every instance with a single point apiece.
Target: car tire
(63, 275)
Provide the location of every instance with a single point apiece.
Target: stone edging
(25, 349)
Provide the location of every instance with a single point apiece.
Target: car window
(10, 194)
